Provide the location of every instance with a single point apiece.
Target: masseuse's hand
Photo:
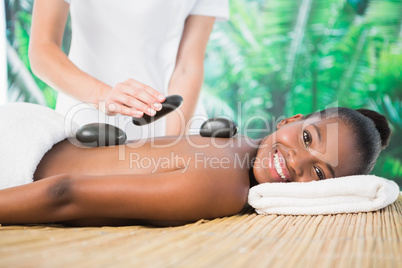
(133, 98)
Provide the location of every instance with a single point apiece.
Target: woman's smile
(277, 167)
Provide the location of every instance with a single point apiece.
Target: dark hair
(371, 130)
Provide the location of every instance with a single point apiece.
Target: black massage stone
(99, 134)
(170, 104)
(218, 127)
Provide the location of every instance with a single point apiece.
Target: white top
(113, 41)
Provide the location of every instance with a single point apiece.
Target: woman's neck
(251, 176)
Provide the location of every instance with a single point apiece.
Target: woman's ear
(288, 120)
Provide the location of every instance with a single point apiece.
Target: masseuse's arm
(52, 65)
(176, 195)
(188, 75)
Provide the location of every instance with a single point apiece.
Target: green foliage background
(276, 58)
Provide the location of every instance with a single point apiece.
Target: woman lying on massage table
(171, 181)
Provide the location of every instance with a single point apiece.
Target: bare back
(177, 180)
(158, 155)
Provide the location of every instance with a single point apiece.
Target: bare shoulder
(214, 181)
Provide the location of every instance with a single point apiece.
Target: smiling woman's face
(306, 150)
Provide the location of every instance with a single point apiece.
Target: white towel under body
(27, 132)
(350, 194)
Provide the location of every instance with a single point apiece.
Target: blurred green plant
(23, 84)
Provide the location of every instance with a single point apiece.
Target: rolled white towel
(27, 132)
(349, 194)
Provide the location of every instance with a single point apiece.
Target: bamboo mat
(247, 240)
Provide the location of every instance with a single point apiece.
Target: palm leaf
(22, 86)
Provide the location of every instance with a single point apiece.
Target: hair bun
(381, 124)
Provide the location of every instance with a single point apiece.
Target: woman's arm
(51, 65)
(188, 75)
(177, 196)
(47, 59)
